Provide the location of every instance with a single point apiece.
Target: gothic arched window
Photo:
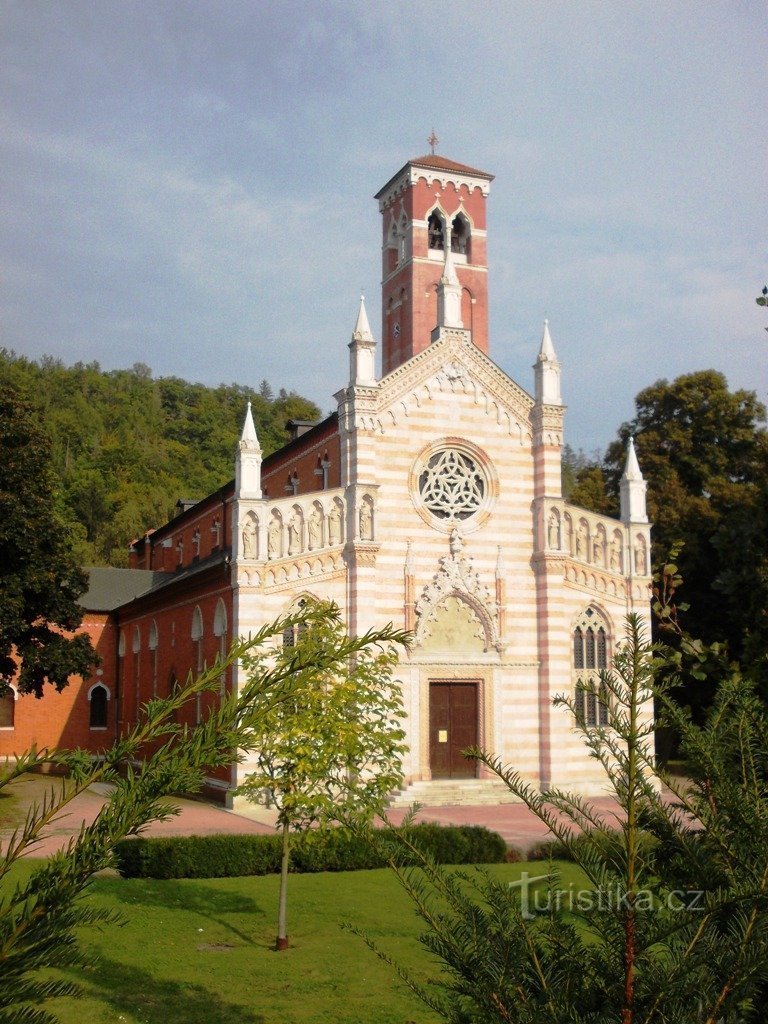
(460, 235)
(98, 697)
(435, 231)
(590, 657)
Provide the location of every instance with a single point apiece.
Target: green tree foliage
(126, 447)
(671, 925)
(703, 450)
(584, 483)
(39, 917)
(338, 750)
(41, 580)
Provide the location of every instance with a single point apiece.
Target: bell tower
(430, 207)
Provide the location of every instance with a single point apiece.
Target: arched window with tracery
(590, 657)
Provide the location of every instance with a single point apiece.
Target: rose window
(452, 485)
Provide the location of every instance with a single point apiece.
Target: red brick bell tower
(431, 202)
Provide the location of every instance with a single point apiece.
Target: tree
(671, 926)
(703, 450)
(41, 580)
(140, 442)
(39, 917)
(336, 751)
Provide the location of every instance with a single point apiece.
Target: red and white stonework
(431, 499)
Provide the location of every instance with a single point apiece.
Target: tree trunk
(282, 937)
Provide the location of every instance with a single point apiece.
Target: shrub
(548, 849)
(223, 856)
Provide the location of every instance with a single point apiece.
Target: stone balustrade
(596, 540)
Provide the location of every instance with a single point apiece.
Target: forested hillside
(127, 446)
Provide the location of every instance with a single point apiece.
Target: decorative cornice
(411, 173)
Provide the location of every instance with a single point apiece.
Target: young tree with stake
(337, 749)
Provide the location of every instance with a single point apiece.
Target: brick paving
(514, 822)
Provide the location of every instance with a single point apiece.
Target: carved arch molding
(457, 579)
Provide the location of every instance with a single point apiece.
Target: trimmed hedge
(336, 849)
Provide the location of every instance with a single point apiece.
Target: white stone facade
(492, 598)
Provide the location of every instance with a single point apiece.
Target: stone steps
(454, 793)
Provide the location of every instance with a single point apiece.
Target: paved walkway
(514, 822)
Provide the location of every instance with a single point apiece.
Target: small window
(7, 709)
(436, 231)
(589, 644)
(98, 712)
(292, 634)
(459, 235)
(578, 648)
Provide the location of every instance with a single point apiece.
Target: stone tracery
(452, 486)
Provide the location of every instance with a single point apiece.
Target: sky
(189, 184)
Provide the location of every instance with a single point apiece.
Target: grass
(201, 952)
(17, 797)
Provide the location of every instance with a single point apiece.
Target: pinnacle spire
(632, 466)
(547, 371)
(249, 438)
(362, 351)
(547, 349)
(632, 489)
(362, 331)
(248, 461)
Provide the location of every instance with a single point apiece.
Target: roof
(110, 588)
(293, 448)
(436, 163)
(440, 163)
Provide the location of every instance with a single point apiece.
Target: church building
(431, 498)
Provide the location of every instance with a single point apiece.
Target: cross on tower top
(433, 141)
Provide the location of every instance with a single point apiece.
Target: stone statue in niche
(640, 566)
(294, 534)
(553, 531)
(366, 521)
(597, 551)
(581, 541)
(314, 530)
(615, 554)
(334, 525)
(250, 538)
(273, 539)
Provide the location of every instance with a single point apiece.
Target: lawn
(201, 952)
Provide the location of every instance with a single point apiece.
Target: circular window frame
(479, 517)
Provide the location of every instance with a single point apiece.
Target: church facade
(431, 499)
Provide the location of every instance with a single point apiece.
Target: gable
(453, 365)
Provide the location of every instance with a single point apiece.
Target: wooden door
(452, 728)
